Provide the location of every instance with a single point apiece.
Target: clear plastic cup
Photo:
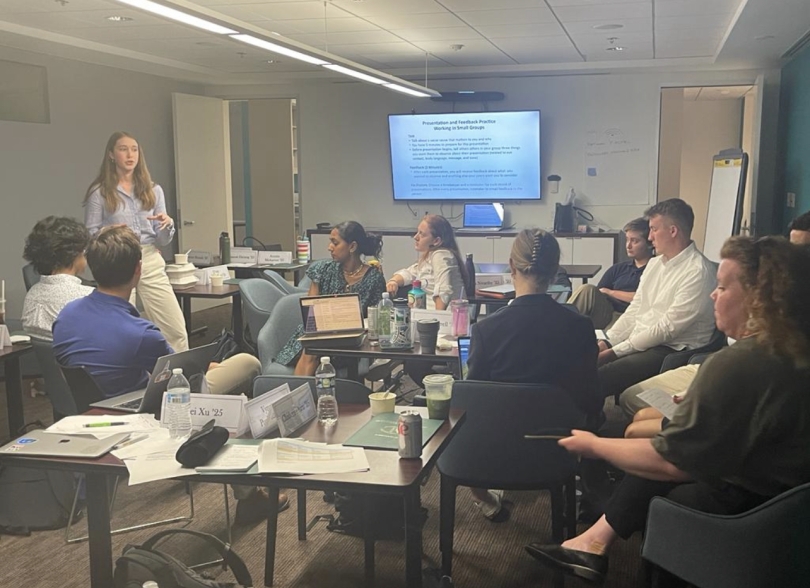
(438, 389)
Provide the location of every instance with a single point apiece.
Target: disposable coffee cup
(428, 330)
(181, 258)
(217, 279)
(382, 402)
(438, 389)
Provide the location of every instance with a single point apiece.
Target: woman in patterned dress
(347, 271)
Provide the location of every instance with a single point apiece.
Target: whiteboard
(725, 200)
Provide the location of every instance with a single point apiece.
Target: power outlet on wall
(791, 200)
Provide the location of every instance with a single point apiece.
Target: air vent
(797, 46)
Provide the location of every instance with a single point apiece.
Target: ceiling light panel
(179, 16)
(280, 49)
(356, 74)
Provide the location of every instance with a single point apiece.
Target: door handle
(187, 223)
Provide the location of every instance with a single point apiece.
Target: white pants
(159, 303)
(672, 382)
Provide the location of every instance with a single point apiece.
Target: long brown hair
(107, 180)
(440, 228)
(776, 278)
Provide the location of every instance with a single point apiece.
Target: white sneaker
(492, 507)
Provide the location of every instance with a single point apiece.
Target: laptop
(482, 217)
(463, 355)
(40, 443)
(194, 362)
(336, 321)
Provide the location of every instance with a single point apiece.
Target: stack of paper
(232, 458)
(101, 426)
(296, 456)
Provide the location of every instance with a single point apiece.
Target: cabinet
(398, 251)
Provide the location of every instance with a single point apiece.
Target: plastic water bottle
(417, 296)
(325, 387)
(385, 314)
(178, 405)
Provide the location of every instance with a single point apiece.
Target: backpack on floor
(142, 563)
(32, 499)
(386, 512)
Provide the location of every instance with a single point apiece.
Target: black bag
(33, 499)
(227, 346)
(141, 563)
(565, 217)
(202, 445)
(386, 513)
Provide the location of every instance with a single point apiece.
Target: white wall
(46, 168)
(344, 159)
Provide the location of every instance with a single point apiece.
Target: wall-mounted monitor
(467, 156)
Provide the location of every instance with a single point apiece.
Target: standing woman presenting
(124, 194)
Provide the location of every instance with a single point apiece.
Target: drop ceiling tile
(63, 21)
(371, 49)
(555, 3)
(599, 54)
(20, 6)
(687, 35)
(534, 29)
(606, 12)
(547, 55)
(665, 23)
(666, 50)
(216, 3)
(522, 45)
(412, 21)
(603, 40)
(629, 25)
(115, 33)
(507, 16)
(473, 50)
(477, 59)
(317, 25)
(695, 7)
(464, 5)
(281, 11)
(353, 38)
(389, 7)
(450, 34)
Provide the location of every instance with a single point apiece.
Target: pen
(113, 424)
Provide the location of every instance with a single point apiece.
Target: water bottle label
(325, 383)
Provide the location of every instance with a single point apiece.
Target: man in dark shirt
(611, 297)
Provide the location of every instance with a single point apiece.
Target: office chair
(259, 297)
(766, 546)
(278, 280)
(30, 275)
(491, 450)
(56, 388)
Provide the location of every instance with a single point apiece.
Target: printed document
(295, 456)
(660, 400)
(232, 458)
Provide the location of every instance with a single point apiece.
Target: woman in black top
(535, 340)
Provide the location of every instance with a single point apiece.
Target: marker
(114, 424)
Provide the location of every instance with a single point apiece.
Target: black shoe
(588, 566)
(254, 509)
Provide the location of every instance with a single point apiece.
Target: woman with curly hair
(123, 194)
(741, 434)
(55, 247)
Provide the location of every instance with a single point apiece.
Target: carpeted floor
(486, 554)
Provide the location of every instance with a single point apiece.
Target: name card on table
(243, 256)
(445, 318)
(200, 257)
(274, 257)
(227, 411)
(260, 413)
(294, 410)
(484, 280)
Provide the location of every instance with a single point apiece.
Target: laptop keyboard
(133, 404)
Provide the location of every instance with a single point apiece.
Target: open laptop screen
(463, 355)
(483, 215)
(331, 314)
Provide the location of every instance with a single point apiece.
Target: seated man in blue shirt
(605, 302)
(104, 333)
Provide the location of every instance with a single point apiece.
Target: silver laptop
(40, 443)
(194, 363)
(336, 321)
(482, 216)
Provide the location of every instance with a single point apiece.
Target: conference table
(388, 474)
(254, 271)
(373, 352)
(184, 296)
(583, 272)
(10, 356)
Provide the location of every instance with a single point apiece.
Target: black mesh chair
(30, 275)
(56, 388)
(766, 546)
(494, 449)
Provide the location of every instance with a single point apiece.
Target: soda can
(409, 427)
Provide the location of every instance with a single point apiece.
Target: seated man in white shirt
(672, 309)
(55, 247)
